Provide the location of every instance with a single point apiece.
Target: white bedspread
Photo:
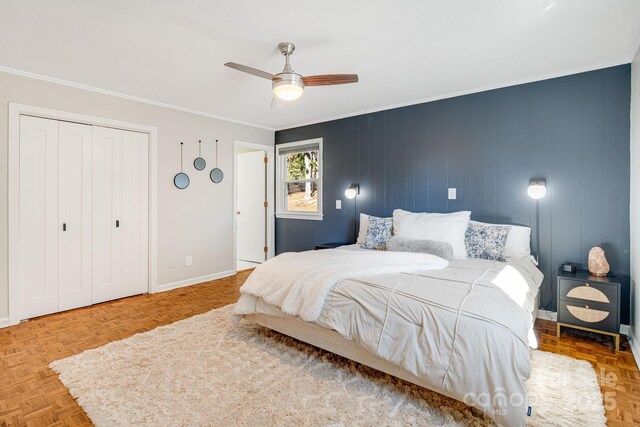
(462, 329)
(298, 282)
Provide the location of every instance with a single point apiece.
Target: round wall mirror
(216, 175)
(199, 163)
(181, 180)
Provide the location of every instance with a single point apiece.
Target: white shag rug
(205, 371)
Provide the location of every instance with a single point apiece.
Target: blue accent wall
(573, 131)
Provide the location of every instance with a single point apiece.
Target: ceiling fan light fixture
(288, 92)
(288, 87)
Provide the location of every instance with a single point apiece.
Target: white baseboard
(193, 281)
(547, 315)
(4, 321)
(634, 344)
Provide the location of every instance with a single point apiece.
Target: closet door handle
(64, 226)
(117, 223)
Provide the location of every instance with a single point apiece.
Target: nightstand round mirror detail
(587, 314)
(588, 293)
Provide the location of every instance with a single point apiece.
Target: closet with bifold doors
(83, 215)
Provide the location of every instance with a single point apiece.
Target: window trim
(281, 212)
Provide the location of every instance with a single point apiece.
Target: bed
(463, 330)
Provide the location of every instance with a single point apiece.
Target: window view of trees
(302, 181)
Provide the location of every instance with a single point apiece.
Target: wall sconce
(352, 193)
(537, 190)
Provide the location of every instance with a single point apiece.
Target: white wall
(635, 200)
(197, 221)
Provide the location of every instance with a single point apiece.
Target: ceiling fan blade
(276, 103)
(253, 71)
(330, 79)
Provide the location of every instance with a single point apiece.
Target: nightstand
(590, 303)
(331, 245)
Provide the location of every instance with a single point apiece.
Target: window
(299, 185)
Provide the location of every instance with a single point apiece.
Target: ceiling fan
(288, 85)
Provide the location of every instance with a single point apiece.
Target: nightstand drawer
(574, 290)
(596, 316)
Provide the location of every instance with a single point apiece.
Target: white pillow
(364, 227)
(518, 241)
(449, 228)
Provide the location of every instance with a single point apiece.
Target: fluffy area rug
(205, 371)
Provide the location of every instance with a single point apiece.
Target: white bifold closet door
(83, 215)
(107, 239)
(74, 210)
(134, 223)
(39, 226)
(120, 213)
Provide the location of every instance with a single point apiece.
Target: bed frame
(333, 342)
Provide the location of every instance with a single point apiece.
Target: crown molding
(125, 96)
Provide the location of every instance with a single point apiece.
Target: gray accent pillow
(378, 233)
(486, 241)
(433, 247)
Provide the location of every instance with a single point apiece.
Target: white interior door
(133, 225)
(106, 209)
(251, 213)
(39, 227)
(74, 195)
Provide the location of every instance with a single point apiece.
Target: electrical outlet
(452, 194)
(189, 261)
(338, 204)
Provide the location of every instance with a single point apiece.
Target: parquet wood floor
(31, 394)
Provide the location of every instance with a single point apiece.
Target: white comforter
(298, 282)
(462, 329)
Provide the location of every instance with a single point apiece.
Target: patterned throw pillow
(486, 241)
(378, 233)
